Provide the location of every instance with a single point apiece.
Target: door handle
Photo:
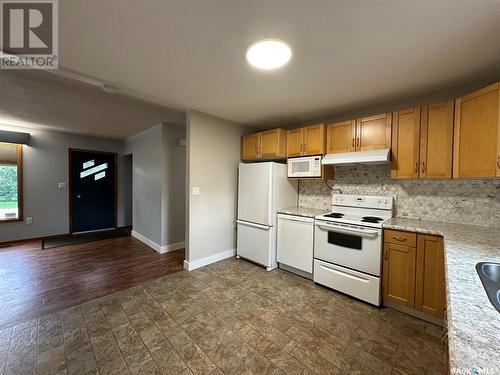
(348, 230)
(78, 196)
(253, 225)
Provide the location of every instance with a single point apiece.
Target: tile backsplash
(457, 201)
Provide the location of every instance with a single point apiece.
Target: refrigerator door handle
(253, 225)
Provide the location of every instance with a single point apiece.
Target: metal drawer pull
(347, 230)
(400, 239)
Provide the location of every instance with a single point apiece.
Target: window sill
(11, 220)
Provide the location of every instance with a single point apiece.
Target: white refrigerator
(263, 189)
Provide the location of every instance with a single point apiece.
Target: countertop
(303, 211)
(473, 322)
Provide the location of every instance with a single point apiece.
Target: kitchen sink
(489, 273)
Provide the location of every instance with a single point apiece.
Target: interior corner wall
(45, 164)
(174, 186)
(147, 176)
(213, 155)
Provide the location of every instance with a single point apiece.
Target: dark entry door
(92, 190)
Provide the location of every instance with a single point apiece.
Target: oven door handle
(361, 232)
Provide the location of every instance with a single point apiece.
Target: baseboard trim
(159, 249)
(146, 241)
(172, 247)
(194, 264)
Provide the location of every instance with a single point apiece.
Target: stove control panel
(365, 201)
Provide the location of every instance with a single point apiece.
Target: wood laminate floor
(35, 282)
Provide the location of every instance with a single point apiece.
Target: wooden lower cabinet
(399, 274)
(429, 285)
(414, 276)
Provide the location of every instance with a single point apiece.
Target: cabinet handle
(359, 142)
(353, 145)
(416, 167)
(385, 255)
(423, 167)
(498, 162)
(400, 239)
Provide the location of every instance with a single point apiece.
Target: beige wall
(213, 155)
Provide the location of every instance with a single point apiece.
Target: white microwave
(308, 166)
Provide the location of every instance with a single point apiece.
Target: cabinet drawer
(400, 238)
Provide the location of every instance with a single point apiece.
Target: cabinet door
(436, 140)
(314, 140)
(398, 278)
(273, 143)
(477, 134)
(294, 142)
(373, 132)
(405, 143)
(250, 146)
(340, 137)
(429, 289)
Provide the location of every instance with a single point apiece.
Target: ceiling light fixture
(268, 54)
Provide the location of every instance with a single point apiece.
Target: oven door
(352, 246)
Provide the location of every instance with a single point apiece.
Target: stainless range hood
(358, 157)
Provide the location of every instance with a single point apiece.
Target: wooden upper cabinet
(267, 144)
(436, 140)
(429, 287)
(306, 141)
(250, 146)
(399, 274)
(273, 143)
(477, 134)
(314, 140)
(294, 142)
(374, 132)
(340, 137)
(406, 143)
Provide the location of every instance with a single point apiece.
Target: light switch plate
(196, 190)
(61, 185)
(29, 220)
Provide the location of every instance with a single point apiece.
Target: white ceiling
(190, 54)
(36, 99)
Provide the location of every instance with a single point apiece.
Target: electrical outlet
(29, 220)
(196, 191)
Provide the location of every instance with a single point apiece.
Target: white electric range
(348, 245)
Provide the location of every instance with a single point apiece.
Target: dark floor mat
(82, 238)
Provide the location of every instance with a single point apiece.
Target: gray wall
(174, 186)
(147, 155)
(158, 183)
(45, 163)
(213, 157)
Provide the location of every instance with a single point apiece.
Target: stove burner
(335, 215)
(371, 219)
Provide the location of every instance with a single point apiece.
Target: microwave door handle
(362, 232)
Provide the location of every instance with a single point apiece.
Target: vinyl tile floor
(231, 317)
